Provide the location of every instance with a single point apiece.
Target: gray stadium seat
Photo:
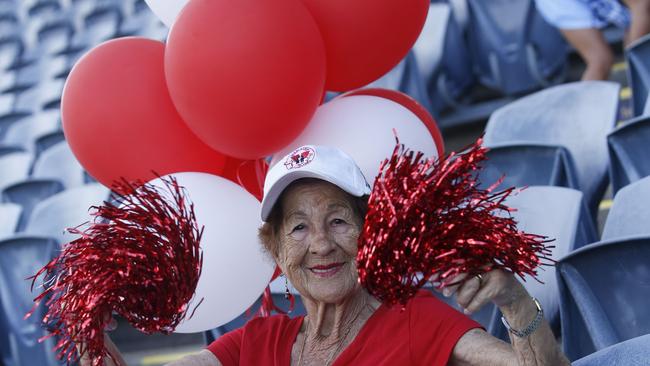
(604, 295)
(9, 218)
(8, 119)
(46, 95)
(577, 116)
(29, 193)
(102, 23)
(5, 150)
(58, 162)
(21, 257)
(446, 68)
(48, 140)
(638, 72)
(630, 213)
(628, 152)
(513, 49)
(68, 209)
(557, 213)
(633, 352)
(11, 47)
(28, 130)
(14, 168)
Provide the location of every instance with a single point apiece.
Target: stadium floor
(156, 350)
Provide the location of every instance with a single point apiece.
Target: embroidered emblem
(300, 157)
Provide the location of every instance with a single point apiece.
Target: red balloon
(249, 174)
(246, 75)
(410, 104)
(364, 39)
(120, 121)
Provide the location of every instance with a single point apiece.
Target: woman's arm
(477, 347)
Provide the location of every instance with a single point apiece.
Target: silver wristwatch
(531, 327)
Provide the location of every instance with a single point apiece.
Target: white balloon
(362, 126)
(166, 10)
(236, 269)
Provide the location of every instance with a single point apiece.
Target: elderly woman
(314, 206)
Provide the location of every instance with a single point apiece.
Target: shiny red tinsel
(139, 258)
(428, 216)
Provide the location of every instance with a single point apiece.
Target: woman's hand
(117, 359)
(497, 286)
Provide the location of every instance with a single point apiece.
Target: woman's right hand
(116, 358)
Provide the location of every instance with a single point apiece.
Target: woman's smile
(327, 270)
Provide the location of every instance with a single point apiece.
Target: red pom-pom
(429, 217)
(140, 259)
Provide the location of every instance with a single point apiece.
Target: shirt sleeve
(227, 347)
(435, 328)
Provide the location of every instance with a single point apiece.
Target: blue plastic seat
(628, 152)
(522, 165)
(9, 219)
(48, 140)
(70, 208)
(29, 193)
(633, 352)
(638, 72)
(10, 118)
(577, 116)
(444, 59)
(102, 23)
(604, 291)
(11, 48)
(7, 149)
(58, 162)
(21, 257)
(630, 213)
(25, 132)
(513, 49)
(14, 168)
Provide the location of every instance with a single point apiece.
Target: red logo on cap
(300, 158)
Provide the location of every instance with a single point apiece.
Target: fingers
(468, 291)
(457, 281)
(480, 299)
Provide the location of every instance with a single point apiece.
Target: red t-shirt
(425, 333)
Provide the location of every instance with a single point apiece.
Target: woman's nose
(321, 243)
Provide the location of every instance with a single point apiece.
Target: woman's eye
(338, 222)
(298, 228)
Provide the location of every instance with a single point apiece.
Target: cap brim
(271, 198)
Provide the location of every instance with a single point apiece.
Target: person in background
(581, 22)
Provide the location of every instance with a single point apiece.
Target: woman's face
(318, 241)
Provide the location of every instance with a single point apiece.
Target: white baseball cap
(322, 162)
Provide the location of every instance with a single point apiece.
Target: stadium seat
(55, 36)
(577, 116)
(8, 119)
(48, 140)
(9, 218)
(58, 162)
(68, 209)
(11, 47)
(633, 352)
(102, 23)
(638, 72)
(556, 213)
(628, 152)
(604, 295)
(522, 165)
(513, 49)
(14, 168)
(21, 257)
(446, 65)
(630, 213)
(28, 194)
(46, 95)
(26, 132)
(405, 78)
(5, 150)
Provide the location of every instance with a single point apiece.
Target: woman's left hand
(497, 286)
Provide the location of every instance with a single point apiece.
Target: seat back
(58, 162)
(638, 72)
(29, 193)
(604, 291)
(68, 209)
(21, 257)
(577, 116)
(9, 218)
(630, 214)
(628, 152)
(26, 132)
(513, 49)
(14, 168)
(633, 352)
(556, 213)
